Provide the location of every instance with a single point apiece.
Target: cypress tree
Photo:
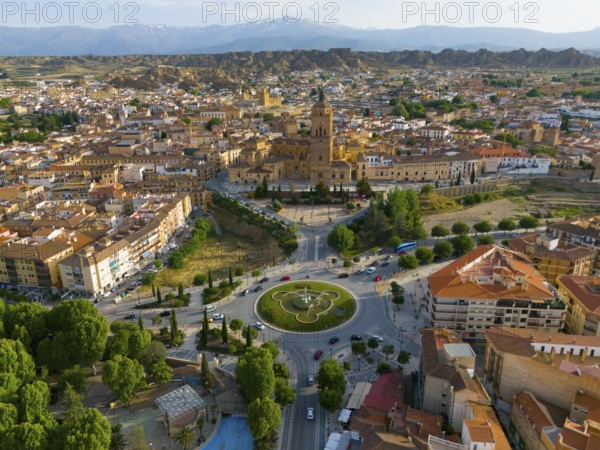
(205, 371)
(210, 282)
(153, 290)
(458, 179)
(158, 295)
(140, 322)
(224, 332)
(248, 337)
(205, 330)
(473, 176)
(230, 277)
(174, 326)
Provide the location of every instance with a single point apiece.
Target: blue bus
(406, 247)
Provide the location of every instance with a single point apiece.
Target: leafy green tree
(124, 377)
(236, 325)
(506, 224)
(34, 399)
(482, 227)
(199, 279)
(264, 416)
(284, 393)
(161, 372)
(8, 416)
(384, 367)
(212, 122)
(92, 431)
(272, 347)
(485, 240)
(408, 262)
(387, 350)
(359, 348)
(427, 189)
(424, 255)
(528, 222)
(251, 333)
(73, 406)
(330, 398)
(403, 358)
(185, 438)
(363, 187)
(16, 368)
(331, 373)
(439, 231)
(30, 316)
(75, 376)
(460, 228)
(153, 353)
(280, 370)
(341, 238)
(25, 436)
(224, 332)
(373, 343)
(255, 374)
(137, 440)
(79, 333)
(463, 243)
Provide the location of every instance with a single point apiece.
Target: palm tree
(117, 439)
(185, 438)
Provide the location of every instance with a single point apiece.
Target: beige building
(447, 370)
(553, 257)
(492, 286)
(582, 296)
(551, 366)
(530, 421)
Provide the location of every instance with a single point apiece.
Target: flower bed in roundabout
(306, 306)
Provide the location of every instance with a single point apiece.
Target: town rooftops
(585, 289)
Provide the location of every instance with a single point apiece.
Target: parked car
(165, 314)
(371, 270)
(258, 288)
(310, 414)
(318, 355)
(356, 337)
(378, 278)
(360, 271)
(334, 340)
(385, 263)
(343, 275)
(218, 316)
(130, 317)
(285, 278)
(513, 235)
(264, 280)
(403, 253)
(245, 292)
(209, 308)
(259, 326)
(388, 257)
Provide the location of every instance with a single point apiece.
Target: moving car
(385, 263)
(218, 316)
(310, 414)
(245, 292)
(378, 278)
(165, 314)
(130, 317)
(513, 235)
(360, 271)
(356, 337)
(285, 278)
(259, 326)
(264, 280)
(403, 253)
(209, 308)
(334, 340)
(318, 355)
(371, 270)
(311, 379)
(258, 288)
(377, 338)
(343, 275)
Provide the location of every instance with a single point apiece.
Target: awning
(145, 254)
(344, 416)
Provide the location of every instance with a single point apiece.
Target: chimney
(552, 354)
(584, 354)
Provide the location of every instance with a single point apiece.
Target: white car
(259, 326)
(371, 270)
(218, 316)
(310, 414)
(377, 338)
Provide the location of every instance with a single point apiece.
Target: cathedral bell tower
(321, 138)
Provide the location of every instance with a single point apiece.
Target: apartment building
(581, 431)
(553, 257)
(551, 366)
(448, 381)
(530, 422)
(492, 286)
(582, 296)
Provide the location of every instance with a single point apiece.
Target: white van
(209, 308)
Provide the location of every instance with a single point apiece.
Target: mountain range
(277, 35)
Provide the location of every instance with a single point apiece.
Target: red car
(285, 278)
(403, 253)
(378, 278)
(318, 354)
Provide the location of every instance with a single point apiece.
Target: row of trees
(202, 227)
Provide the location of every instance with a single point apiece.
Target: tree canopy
(254, 372)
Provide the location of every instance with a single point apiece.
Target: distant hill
(274, 36)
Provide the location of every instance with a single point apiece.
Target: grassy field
(237, 245)
(270, 310)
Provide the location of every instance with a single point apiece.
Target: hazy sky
(546, 15)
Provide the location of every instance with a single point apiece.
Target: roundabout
(306, 306)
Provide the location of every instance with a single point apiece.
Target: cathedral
(316, 158)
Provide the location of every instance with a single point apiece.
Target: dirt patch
(493, 211)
